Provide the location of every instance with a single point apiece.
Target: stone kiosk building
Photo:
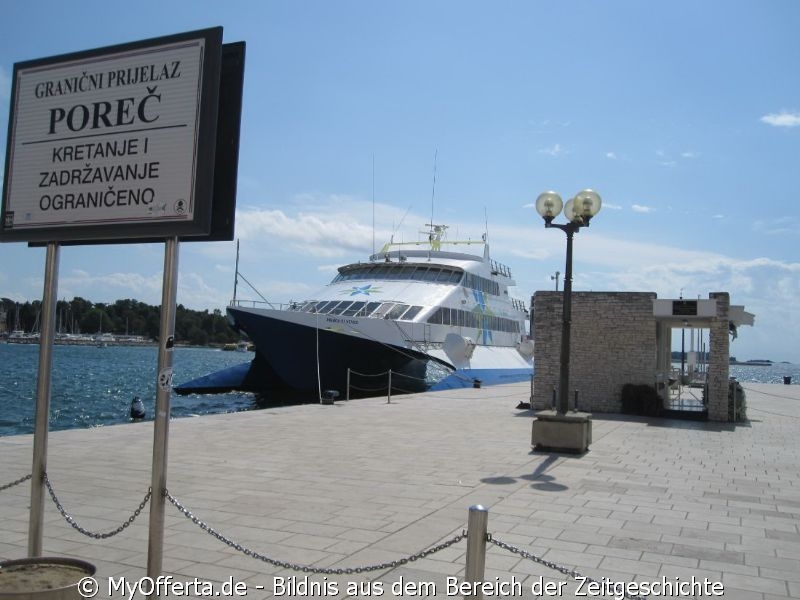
(620, 338)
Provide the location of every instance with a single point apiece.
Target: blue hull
(465, 378)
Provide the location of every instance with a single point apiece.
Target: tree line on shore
(123, 317)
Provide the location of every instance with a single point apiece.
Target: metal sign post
(128, 143)
(166, 343)
(46, 339)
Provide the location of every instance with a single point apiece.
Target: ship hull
(308, 359)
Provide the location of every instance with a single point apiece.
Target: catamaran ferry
(430, 314)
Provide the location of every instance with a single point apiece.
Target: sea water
(93, 386)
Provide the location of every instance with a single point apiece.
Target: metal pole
(563, 380)
(236, 276)
(389, 391)
(348, 384)
(476, 547)
(531, 400)
(46, 337)
(155, 544)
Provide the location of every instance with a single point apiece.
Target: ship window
(455, 277)
(444, 276)
(383, 309)
(339, 308)
(393, 272)
(406, 272)
(431, 274)
(369, 309)
(395, 313)
(380, 272)
(327, 306)
(411, 313)
(353, 309)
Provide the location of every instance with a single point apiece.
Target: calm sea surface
(94, 386)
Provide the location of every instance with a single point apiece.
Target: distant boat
(752, 363)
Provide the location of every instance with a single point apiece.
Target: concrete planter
(43, 578)
(570, 432)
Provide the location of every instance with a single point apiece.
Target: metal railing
(388, 387)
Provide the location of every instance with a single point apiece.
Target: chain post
(43, 392)
(531, 400)
(476, 547)
(389, 391)
(347, 396)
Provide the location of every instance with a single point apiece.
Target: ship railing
(499, 268)
(265, 304)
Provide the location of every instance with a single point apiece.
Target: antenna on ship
(373, 203)
(433, 195)
(433, 191)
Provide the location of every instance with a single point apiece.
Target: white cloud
(612, 206)
(782, 119)
(324, 236)
(611, 155)
(554, 150)
(638, 208)
(777, 226)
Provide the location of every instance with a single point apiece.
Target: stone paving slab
(366, 482)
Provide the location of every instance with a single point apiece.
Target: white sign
(106, 140)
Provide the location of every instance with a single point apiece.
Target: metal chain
(17, 482)
(98, 536)
(556, 567)
(306, 568)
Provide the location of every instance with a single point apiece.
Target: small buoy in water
(137, 408)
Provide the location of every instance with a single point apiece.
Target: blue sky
(684, 116)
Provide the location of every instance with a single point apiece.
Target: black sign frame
(203, 170)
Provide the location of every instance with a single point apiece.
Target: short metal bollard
(476, 547)
(787, 380)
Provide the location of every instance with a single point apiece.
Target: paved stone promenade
(364, 482)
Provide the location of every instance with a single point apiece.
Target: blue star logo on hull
(367, 290)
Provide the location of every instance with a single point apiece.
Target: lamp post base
(570, 432)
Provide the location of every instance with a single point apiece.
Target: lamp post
(578, 211)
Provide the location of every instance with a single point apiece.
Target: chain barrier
(98, 536)
(17, 482)
(307, 568)
(384, 373)
(549, 564)
(298, 567)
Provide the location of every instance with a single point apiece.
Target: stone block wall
(613, 342)
(719, 361)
